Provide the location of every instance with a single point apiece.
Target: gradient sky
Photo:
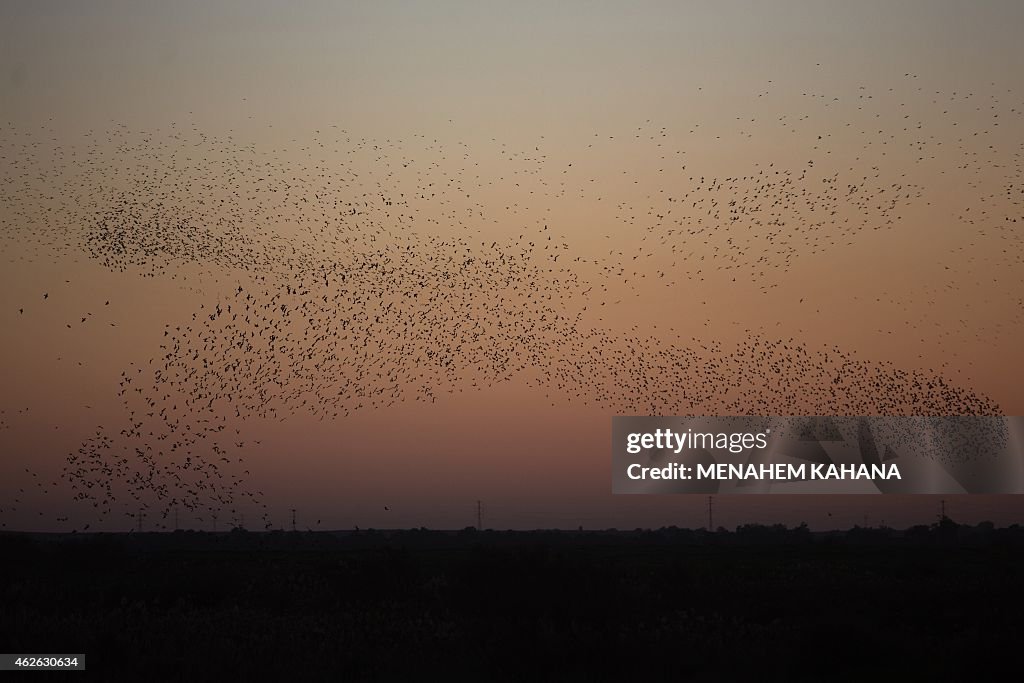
(502, 97)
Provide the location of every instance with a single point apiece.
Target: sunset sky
(608, 208)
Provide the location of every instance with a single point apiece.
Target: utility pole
(293, 519)
(711, 517)
(479, 516)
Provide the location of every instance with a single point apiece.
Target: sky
(609, 209)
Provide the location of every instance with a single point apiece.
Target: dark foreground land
(933, 603)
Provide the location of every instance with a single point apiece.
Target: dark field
(931, 603)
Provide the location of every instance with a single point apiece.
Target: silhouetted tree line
(762, 601)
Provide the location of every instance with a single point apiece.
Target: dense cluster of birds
(353, 273)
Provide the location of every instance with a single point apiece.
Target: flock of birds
(349, 273)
